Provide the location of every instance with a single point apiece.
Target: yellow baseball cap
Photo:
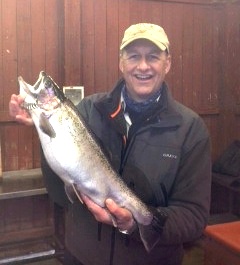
(151, 32)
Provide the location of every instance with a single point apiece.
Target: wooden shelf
(22, 183)
(23, 253)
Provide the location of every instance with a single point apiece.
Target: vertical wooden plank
(25, 147)
(101, 45)
(38, 38)
(1, 61)
(233, 50)
(52, 40)
(24, 58)
(9, 50)
(10, 147)
(156, 12)
(24, 48)
(124, 20)
(198, 56)
(2, 216)
(8, 79)
(36, 150)
(38, 61)
(11, 219)
(211, 72)
(113, 43)
(88, 33)
(26, 214)
(72, 41)
(187, 45)
(211, 103)
(135, 11)
(142, 15)
(39, 215)
(1, 169)
(207, 70)
(60, 40)
(172, 26)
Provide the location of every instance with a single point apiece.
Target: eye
(153, 57)
(133, 56)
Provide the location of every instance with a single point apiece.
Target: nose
(143, 64)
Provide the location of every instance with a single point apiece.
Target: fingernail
(109, 201)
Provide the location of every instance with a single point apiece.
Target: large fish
(72, 151)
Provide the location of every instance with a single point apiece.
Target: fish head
(45, 93)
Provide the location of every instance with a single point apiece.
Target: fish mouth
(29, 89)
(42, 93)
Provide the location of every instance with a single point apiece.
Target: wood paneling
(22, 220)
(31, 41)
(77, 43)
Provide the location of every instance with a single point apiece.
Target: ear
(121, 64)
(168, 64)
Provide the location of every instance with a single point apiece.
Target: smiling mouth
(143, 77)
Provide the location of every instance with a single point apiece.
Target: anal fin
(70, 191)
(77, 193)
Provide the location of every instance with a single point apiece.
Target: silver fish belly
(72, 151)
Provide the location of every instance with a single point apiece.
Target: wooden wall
(77, 43)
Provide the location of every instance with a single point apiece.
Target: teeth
(143, 77)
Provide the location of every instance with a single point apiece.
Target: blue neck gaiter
(139, 106)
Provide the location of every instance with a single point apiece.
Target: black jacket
(166, 161)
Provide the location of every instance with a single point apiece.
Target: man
(160, 148)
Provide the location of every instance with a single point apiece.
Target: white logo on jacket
(170, 156)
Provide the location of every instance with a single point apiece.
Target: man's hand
(112, 215)
(15, 110)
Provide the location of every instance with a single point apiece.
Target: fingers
(112, 215)
(24, 119)
(118, 212)
(100, 214)
(123, 217)
(16, 112)
(14, 105)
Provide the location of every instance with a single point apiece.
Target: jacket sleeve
(188, 207)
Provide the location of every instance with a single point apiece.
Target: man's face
(144, 67)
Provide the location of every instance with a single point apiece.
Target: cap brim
(160, 45)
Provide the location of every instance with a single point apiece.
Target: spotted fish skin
(72, 151)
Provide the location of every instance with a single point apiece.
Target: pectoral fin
(46, 127)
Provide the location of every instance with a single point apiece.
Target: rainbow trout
(72, 151)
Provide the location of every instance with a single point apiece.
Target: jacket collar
(110, 106)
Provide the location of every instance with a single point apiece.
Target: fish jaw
(44, 93)
(25, 91)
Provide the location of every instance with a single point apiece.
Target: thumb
(111, 205)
